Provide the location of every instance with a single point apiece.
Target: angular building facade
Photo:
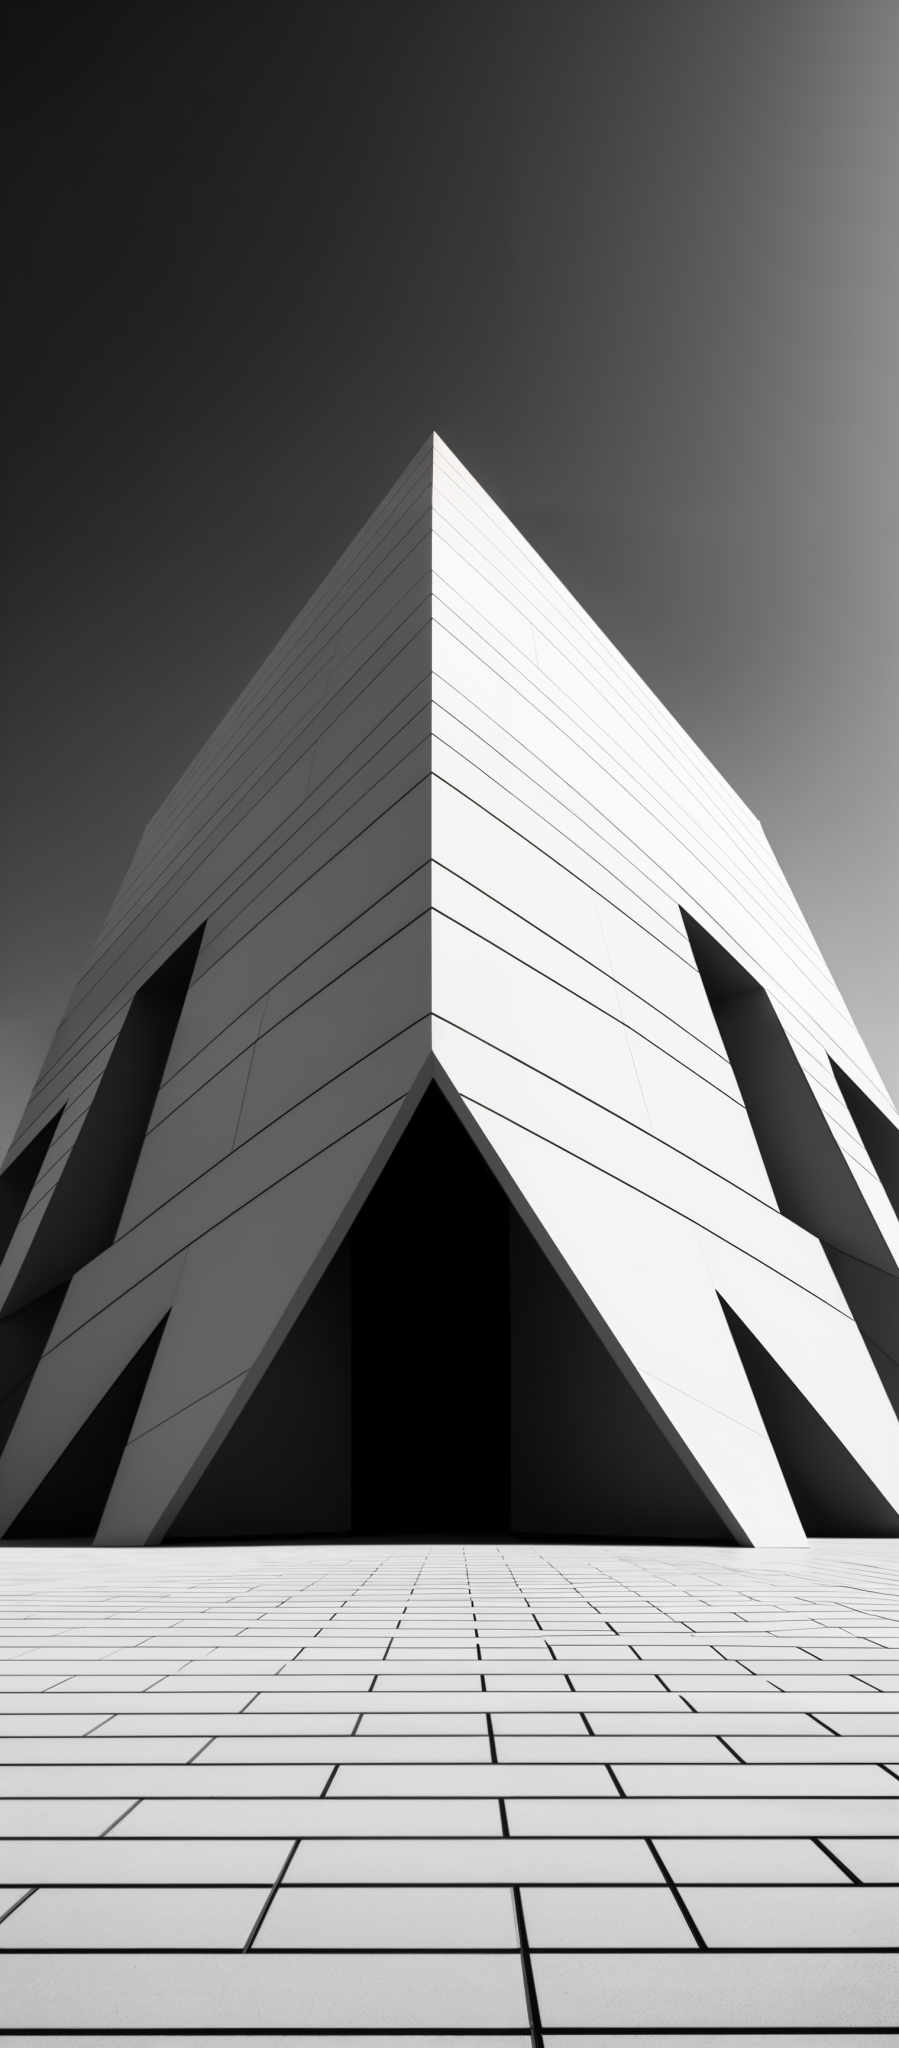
(456, 1129)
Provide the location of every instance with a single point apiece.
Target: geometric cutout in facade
(887, 1368)
(282, 1470)
(833, 1495)
(18, 1179)
(878, 1133)
(590, 1460)
(69, 1502)
(85, 1208)
(23, 1336)
(812, 1181)
(431, 1439)
(442, 1380)
(873, 1296)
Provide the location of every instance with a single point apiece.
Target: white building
(456, 1128)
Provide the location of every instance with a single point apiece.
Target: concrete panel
(189, 1141)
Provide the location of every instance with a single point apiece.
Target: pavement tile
(349, 1758)
(758, 1781)
(706, 1816)
(390, 1917)
(738, 1861)
(726, 1991)
(423, 1861)
(794, 1917)
(604, 1917)
(22, 1816)
(113, 1861)
(279, 1816)
(874, 1862)
(134, 1917)
(366, 1991)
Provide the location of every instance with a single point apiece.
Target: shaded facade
(456, 1129)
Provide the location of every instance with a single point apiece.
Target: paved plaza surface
(528, 1792)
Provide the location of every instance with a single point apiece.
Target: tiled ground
(544, 1794)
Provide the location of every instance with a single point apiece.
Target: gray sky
(636, 263)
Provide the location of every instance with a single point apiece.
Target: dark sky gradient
(637, 263)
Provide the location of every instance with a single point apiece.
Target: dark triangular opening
(68, 1504)
(589, 1458)
(441, 1381)
(431, 1437)
(85, 1208)
(873, 1297)
(18, 1179)
(878, 1133)
(22, 1340)
(283, 1469)
(831, 1493)
(888, 1371)
(813, 1183)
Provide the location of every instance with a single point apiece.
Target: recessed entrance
(442, 1382)
(430, 1403)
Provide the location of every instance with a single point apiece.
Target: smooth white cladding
(446, 834)
(573, 822)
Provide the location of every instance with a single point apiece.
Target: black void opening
(23, 1337)
(832, 1495)
(283, 1468)
(431, 1422)
(85, 1208)
(812, 1182)
(878, 1133)
(69, 1502)
(441, 1382)
(588, 1458)
(18, 1179)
